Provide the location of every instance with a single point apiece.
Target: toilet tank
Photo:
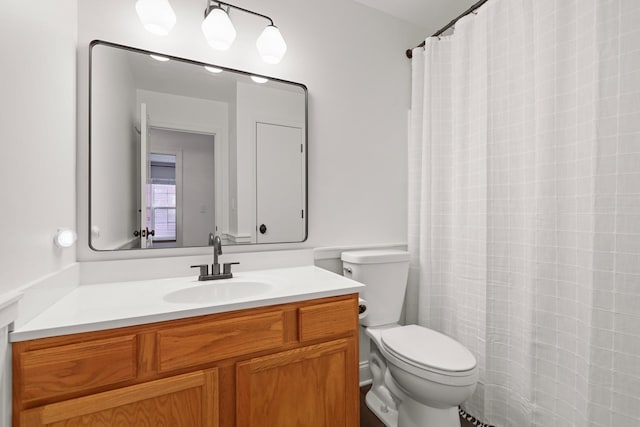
(385, 274)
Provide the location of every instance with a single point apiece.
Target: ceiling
(428, 14)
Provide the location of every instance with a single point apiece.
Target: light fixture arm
(214, 3)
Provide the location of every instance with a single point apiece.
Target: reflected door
(279, 183)
(144, 177)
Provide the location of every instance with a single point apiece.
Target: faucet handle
(226, 267)
(204, 269)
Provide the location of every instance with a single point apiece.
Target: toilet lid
(427, 348)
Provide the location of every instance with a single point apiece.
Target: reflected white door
(279, 184)
(145, 175)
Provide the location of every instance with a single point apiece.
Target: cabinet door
(311, 386)
(189, 400)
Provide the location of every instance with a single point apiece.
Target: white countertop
(119, 304)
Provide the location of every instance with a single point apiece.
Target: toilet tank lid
(375, 256)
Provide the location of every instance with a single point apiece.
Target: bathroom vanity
(282, 356)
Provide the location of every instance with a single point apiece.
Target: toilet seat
(429, 354)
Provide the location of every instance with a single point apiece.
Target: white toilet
(420, 376)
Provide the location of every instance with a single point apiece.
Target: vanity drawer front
(328, 319)
(213, 340)
(75, 367)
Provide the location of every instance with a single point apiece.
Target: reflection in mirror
(180, 149)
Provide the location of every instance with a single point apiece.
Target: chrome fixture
(215, 267)
(220, 32)
(472, 9)
(158, 17)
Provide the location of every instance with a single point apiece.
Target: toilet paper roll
(362, 308)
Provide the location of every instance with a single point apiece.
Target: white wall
(114, 150)
(37, 134)
(352, 60)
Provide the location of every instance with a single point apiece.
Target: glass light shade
(65, 238)
(258, 79)
(157, 16)
(218, 29)
(211, 69)
(271, 45)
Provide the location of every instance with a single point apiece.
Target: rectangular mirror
(179, 149)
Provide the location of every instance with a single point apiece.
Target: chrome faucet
(216, 242)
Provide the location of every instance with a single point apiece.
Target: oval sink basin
(217, 292)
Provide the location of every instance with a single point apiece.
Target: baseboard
(365, 373)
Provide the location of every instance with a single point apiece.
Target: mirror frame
(95, 43)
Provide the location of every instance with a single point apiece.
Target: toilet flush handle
(347, 270)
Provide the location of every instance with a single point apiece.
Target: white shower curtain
(524, 212)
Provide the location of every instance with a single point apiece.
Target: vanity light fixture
(159, 58)
(259, 79)
(157, 16)
(65, 238)
(220, 33)
(211, 69)
(271, 45)
(218, 28)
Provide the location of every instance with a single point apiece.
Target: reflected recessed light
(259, 79)
(159, 58)
(212, 69)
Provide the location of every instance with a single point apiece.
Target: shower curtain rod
(409, 52)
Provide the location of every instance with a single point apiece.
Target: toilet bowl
(419, 376)
(429, 374)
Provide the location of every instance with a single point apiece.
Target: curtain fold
(524, 207)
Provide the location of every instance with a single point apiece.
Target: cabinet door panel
(189, 400)
(310, 386)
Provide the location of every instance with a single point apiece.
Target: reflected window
(162, 206)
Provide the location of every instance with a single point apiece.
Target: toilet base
(388, 416)
(414, 414)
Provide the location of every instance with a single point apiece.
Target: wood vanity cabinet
(293, 364)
